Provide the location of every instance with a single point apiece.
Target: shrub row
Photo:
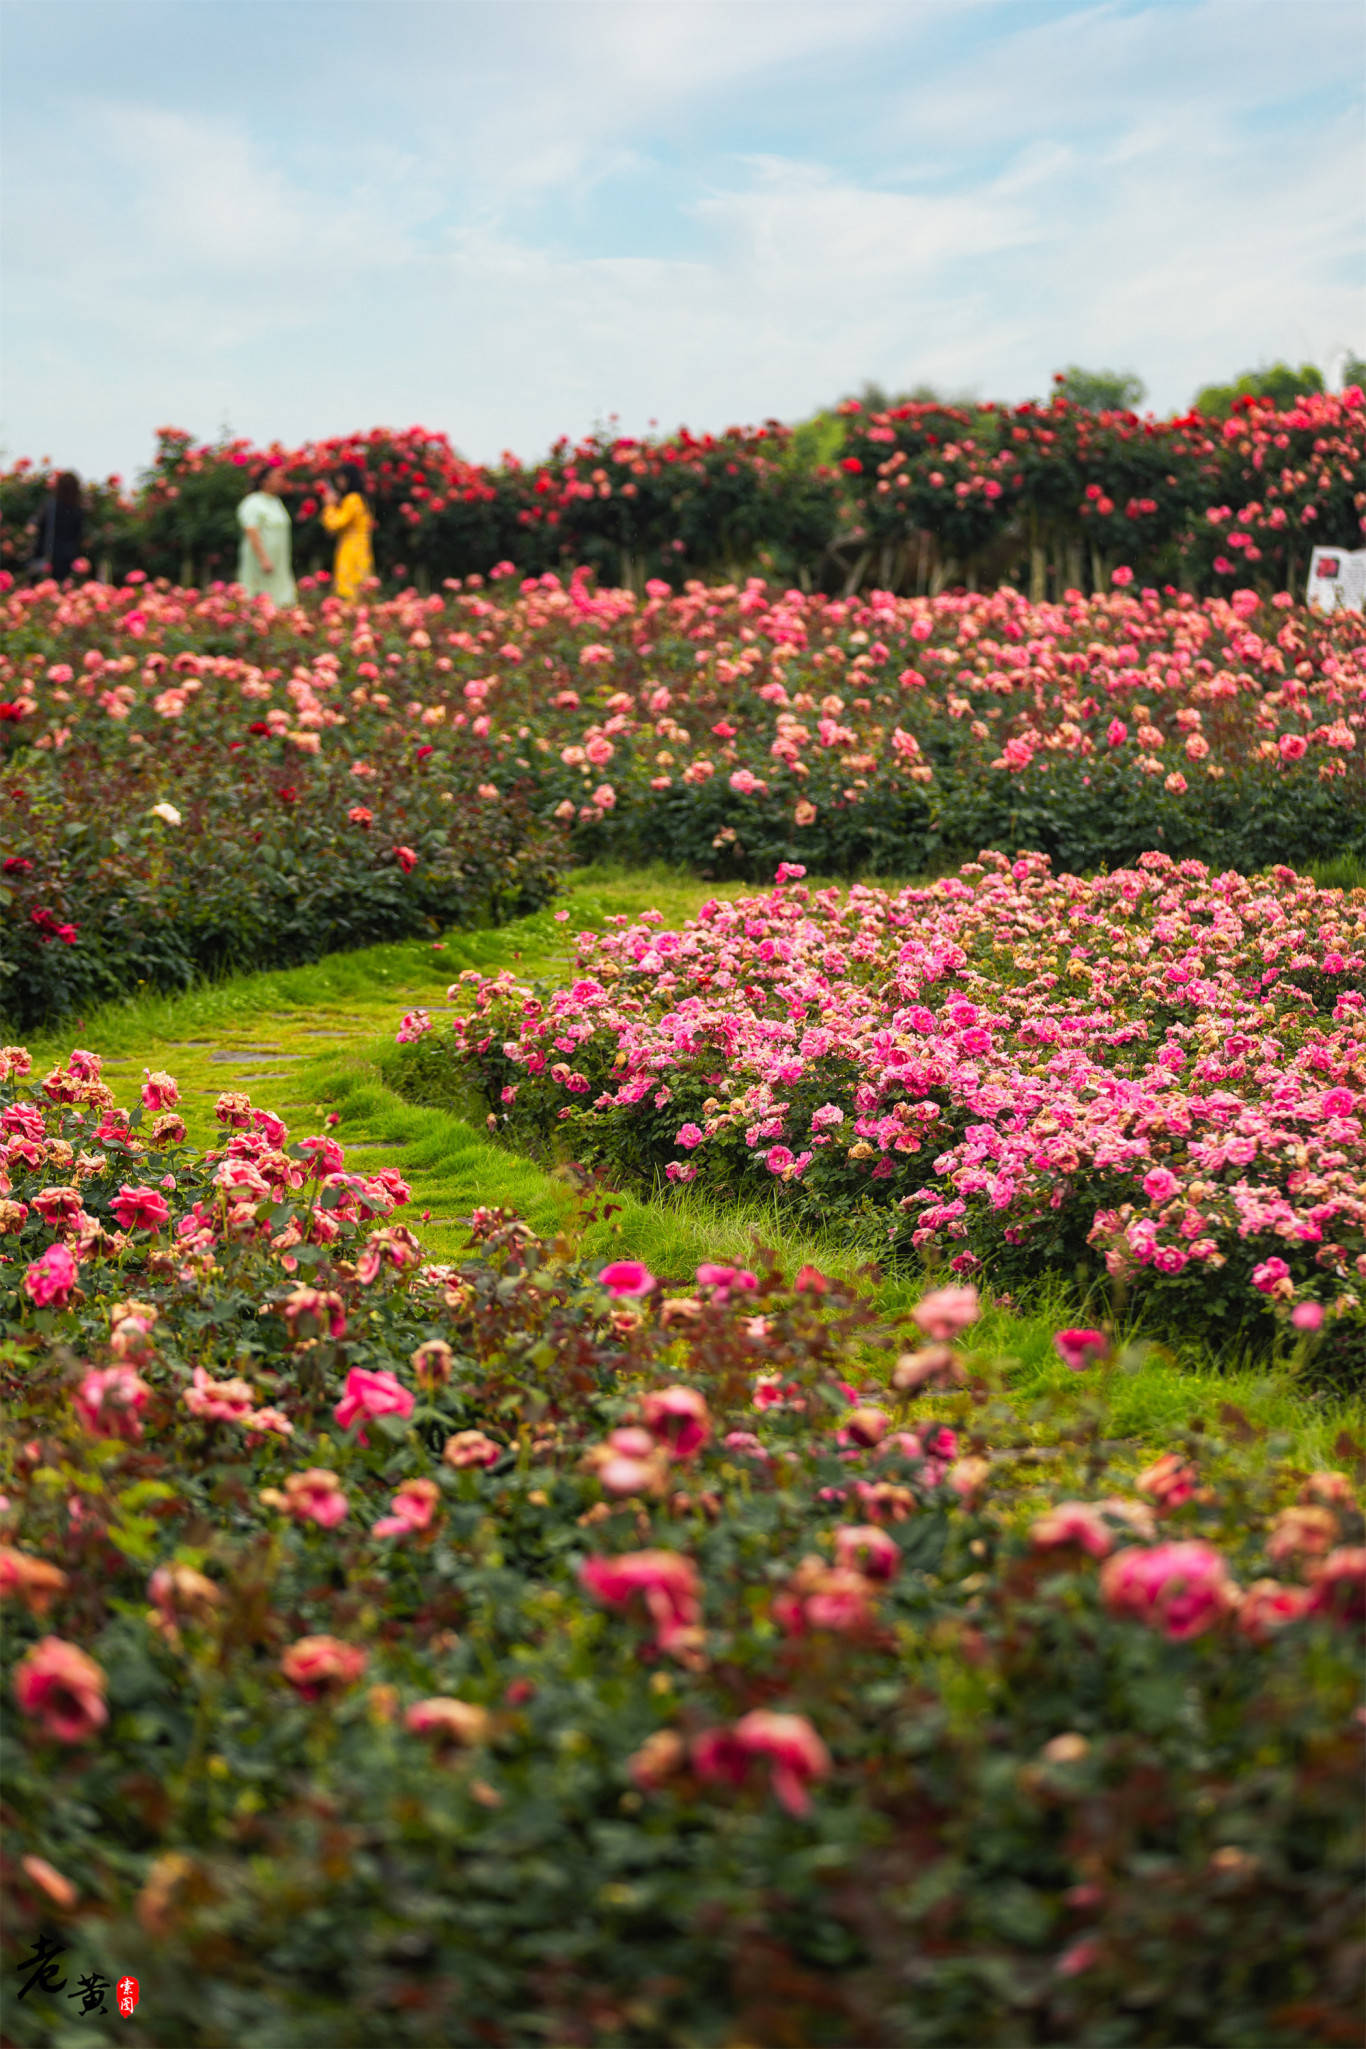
(501, 1652)
(189, 780)
(909, 498)
(1157, 1077)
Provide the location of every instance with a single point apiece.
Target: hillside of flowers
(1158, 1075)
(507, 1651)
(911, 498)
(189, 780)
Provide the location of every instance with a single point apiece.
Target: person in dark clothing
(59, 530)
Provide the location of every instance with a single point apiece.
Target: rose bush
(1159, 1074)
(421, 760)
(907, 499)
(849, 1717)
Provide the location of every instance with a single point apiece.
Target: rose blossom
(866, 1548)
(666, 1582)
(627, 1277)
(369, 1393)
(1078, 1349)
(1182, 1589)
(414, 1505)
(471, 1448)
(678, 1417)
(794, 1750)
(1069, 1523)
(218, 1401)
(319, 1665)
(63, 1688)
(316, 1496)
(946, 1311)
(49, 1281)
(110, 1400)
(449, 1722)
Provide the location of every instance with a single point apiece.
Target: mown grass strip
(317, 1040)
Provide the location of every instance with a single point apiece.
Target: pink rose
(1073, 1523)
(1079, 1349)
(794, 1750)
(413, 1507)
(316, 1496)
(109, 1402)
(139, 1208)
(1160, 1184)
(1181, 1589)
(627, 1277)
(218, 1401)
(50, 1280)
(946, 1311)
(863, 1547)
(665, 1582)
(62, 1687)
(369, 1393)
(318, 1665)
(471, 1448)
(678, 1417)
(159, 1092)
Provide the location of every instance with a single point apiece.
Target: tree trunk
(1038, 573)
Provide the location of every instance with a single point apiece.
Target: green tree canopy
(1276, 380)
(1101, 391)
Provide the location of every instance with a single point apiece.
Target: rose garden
(683, 1257)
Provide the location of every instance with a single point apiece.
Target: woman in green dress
(263, 567)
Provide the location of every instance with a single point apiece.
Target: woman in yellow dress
(347, 515)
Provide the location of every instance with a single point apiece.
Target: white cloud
(297, 283)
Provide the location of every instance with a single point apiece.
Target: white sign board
(1337, 580)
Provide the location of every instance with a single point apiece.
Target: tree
(1353, 370)
(1277, 381)
(1100, 391)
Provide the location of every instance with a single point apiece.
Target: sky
(516, 219)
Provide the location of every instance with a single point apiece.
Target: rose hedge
(502, 1653)
(907, 499)
(728, 728)
(1158, 1075)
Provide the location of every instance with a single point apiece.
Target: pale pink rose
(660, 1757)
(50, 1881)
(448, 1722)
(1268, 1606)
(316, 1496)
(1302, 1532)
(864, 1426)
(471, 1448)
(179, 1591)
(159, 1092)
(726, 1280)
(1181, 1589)
(218, 1401)
(319, 1665)
(946, 1311)
(1070, 1523)
(110, 1400)
(62, 1687)
(1170, 1481)
(314, 1312)
(413, 1507)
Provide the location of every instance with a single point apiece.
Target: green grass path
(313, 1040)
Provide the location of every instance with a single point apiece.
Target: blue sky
(513, 219)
